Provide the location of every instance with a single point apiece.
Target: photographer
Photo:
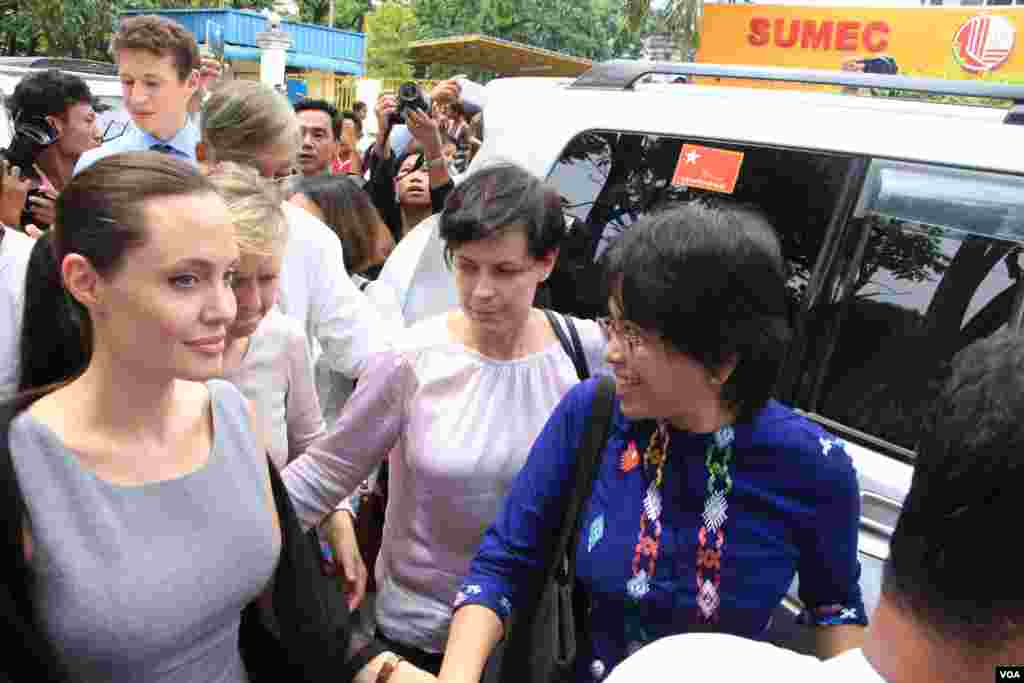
(54, 123)
(408, 114)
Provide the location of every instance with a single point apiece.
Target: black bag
(540, 642)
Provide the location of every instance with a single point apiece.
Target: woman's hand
(405, 672)
(341, 536)
(43, 207)
(426, 131)
(13, 193)
(408, 673)
(446, 92)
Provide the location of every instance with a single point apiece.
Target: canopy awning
(503, 57)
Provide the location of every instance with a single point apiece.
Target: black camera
(880, 65)
(31, 136)
(409, 97)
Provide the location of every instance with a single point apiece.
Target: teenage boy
(159, 66)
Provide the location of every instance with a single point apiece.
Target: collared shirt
(182, 145)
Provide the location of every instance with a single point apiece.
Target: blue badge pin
(596, 532)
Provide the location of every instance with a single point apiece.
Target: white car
(902, 222)
(100, 76)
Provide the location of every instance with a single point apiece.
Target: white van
(100, 76)
(900, 220)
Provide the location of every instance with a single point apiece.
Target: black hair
(359, 105)
(947, 567)
(708, 276)
(500, 197)
(325, 107)
(348, 210)
(356, 121)
(51, 343)
(47, 93)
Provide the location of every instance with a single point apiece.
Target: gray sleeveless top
(147, 583)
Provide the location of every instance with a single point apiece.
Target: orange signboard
(708, 168)
(943, 42)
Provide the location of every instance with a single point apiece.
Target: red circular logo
(984, 42)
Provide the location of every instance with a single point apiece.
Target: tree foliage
(585, 28)
(81, 28)
(681, 18)
(389, 30)
(348, 14)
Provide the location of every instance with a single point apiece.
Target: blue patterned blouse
(794, 507)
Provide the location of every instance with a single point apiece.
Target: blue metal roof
(297, 59)
(313, 47)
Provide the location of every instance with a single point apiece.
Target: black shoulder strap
(588, 462)
(574, 347)
(520, 645)
(577, 345)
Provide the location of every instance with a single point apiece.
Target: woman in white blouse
(266, 355)
(455, 407)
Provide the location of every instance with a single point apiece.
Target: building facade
(318, 57)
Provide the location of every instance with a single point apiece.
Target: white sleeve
(474, 96)
(347, 325)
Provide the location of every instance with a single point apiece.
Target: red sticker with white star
(708, 168)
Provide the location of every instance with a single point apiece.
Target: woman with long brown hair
(141, 512)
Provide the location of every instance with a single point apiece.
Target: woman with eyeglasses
(710, 496)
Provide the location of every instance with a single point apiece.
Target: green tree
(595, 29)
(81, 28)
(348, 14)
(389, 30)
(681, 18)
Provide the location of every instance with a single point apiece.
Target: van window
(930, 262)
(610, 180)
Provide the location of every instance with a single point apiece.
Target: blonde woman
(250, 124)
(266, 354)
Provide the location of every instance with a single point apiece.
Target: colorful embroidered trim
(650, 517)
(711, 535)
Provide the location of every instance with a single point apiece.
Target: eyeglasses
(627, 333)
(113, 131)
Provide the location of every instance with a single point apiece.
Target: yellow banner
(943, 42)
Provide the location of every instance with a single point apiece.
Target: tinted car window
(930, 262)
(608, 181)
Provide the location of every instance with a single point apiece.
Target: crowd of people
(212, 341)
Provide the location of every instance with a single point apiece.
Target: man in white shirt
(952, 605)
(15, 248)
(317, 291)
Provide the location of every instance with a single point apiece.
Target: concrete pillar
(273, 44)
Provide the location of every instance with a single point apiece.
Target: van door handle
(889, 507)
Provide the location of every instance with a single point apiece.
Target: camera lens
(408, 91)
